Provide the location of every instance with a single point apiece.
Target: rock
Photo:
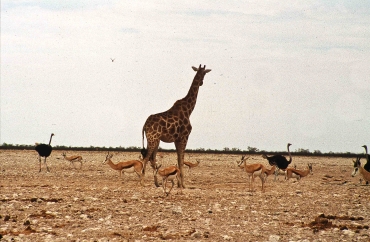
(274, 238)
(217, 207)
(196, 235)
(226, 237)
(349, 232)
(177, 210)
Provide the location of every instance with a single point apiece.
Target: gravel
(95, 204)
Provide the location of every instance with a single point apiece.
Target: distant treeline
(235, 151)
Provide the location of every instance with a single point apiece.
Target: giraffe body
(173, 125)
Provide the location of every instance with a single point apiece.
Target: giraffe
(173, 125)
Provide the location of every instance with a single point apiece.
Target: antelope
(130, 166)
(191, 165)
(169, 173)
(253, 170)
(357, 168)
(298, 174)
(281, 172)
(73, 158)
(270, 172)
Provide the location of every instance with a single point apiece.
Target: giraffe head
(201, 72)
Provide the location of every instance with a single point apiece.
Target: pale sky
(282, 71)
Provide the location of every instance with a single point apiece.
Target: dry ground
(94, 204)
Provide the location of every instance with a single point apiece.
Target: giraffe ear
(207, 70)
(194, 68)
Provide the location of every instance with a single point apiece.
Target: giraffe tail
(142, 133)
(143, 150)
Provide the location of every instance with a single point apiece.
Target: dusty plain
(95, 204)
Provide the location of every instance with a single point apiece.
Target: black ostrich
(278, 160)
(44, 150)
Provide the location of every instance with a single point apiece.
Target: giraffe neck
(191, 98)
(187, 104)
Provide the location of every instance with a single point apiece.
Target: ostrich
(278, 160)
(367, 165)
(44, 150)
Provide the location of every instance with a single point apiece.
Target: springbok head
(310, 168)
(242, 160)
(107, 158)
(156, 183)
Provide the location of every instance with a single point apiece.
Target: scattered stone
(151, 228)
(196, 235)
(177, 210)
(226, 237)
(96, 204)
(274, 238)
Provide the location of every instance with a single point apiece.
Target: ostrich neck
(50, 139)
(366, 154)
(290, 155)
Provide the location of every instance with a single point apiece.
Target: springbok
(191, 165)
(252, 171)
(169, 173)
(357, 168)
(298, 174)
(281, 172)
(72, 159)
(269, 172)
(130, 166)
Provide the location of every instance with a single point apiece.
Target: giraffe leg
(180, 148)
(150, 155)
(146, 159)
(153, 158)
